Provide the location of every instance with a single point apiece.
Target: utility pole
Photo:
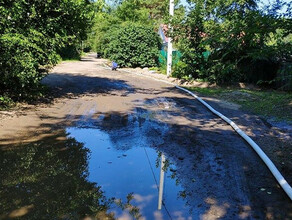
(169, 44)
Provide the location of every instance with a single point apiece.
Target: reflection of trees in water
(133, 210)
(170, 168)
(132, 130)
(48, 181)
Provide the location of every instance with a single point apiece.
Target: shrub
(5, 102)
(180, 70)
(284, 77)
(70, 52)
(19, 63)
(134, 46)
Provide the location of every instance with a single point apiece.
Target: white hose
(281, 180)
(279, 177)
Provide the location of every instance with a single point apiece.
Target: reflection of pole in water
(161, 182)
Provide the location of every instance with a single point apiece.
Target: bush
(70, 52)
(134, 46)
(19, 63)
(5, 102)
(31, 34)
(180, 70)
(284, 77)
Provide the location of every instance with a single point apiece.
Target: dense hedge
(134, 46)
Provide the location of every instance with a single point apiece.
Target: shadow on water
(49, 180)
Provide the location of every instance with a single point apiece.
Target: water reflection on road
(48, 179)
(134, 171)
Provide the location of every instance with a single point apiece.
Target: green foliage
(131, 10)
(134, 46)
(32, 33)
(140, 11)
(70, 52)
(246, 43)
(181, 69)
(5, 102)
(270, 104)
(105, 25)
(147, 13)
(19, 65)
(190, 35)
(284, 77)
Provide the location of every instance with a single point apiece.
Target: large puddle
(134, 172)
(110, 167)
(129, 166)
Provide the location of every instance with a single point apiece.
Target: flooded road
(97, 152)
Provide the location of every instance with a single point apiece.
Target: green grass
(154, 68)
(269, 104)
(209, 91)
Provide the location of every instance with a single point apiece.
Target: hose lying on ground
(281, 180)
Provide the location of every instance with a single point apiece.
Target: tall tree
(236, 33)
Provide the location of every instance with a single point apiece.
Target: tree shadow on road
(68, 85)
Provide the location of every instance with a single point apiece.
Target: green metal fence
(176, 55)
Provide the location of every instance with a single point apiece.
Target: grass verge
(268, 104)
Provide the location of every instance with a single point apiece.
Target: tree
(236, 33)
(189, 35)
(32, 34)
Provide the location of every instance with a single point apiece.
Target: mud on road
(221, 176)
